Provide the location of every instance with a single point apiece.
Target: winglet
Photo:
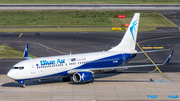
(168, 59)
(26, 53)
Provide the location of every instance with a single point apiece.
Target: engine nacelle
(82, 76)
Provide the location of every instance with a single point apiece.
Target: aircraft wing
(26, 53)
(121, 67)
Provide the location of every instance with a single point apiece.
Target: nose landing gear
(22, 84)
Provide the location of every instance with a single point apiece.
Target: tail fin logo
(133, 27)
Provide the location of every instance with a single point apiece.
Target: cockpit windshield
(20, 68)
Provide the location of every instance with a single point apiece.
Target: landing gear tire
(23, 85)
(66, 79)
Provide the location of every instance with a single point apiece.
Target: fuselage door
(33, 70)
(124, 58)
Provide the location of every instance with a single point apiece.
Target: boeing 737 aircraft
(81, 67)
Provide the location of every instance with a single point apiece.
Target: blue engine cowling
(83, 76)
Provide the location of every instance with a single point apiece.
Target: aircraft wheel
(66, 79)
(23, 85)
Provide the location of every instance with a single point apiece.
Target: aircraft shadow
(31, 83)
(121, 80)
(57, 80)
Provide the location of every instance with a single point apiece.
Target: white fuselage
(60, 65)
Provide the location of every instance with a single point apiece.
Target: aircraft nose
(9, 74)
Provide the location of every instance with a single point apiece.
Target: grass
(68, 29)
(89, 1)
(9, 52)
(78, 18)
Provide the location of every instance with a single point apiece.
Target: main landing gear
(23, 85)
(66, 79)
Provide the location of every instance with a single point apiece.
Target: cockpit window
(20, 68)
(16, 67)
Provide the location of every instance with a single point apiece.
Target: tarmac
(132, 84)
(136, 84)
(172, 15)
(92, 6)
(115, 87)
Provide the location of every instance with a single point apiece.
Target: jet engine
(83, 76)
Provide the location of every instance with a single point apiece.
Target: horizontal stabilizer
(150, 51)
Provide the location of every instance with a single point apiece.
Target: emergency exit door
(33, 69)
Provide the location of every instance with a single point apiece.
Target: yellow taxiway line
(20, 35)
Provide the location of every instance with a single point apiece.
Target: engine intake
(82, 76)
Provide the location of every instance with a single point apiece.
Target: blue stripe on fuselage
(104, 62)
(122, 58)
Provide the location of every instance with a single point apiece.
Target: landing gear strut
(22, 83)
(66, 79)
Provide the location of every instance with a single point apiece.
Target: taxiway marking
(20, 35)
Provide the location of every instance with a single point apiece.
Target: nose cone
(10, 74)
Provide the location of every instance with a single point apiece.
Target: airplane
(82, 67)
